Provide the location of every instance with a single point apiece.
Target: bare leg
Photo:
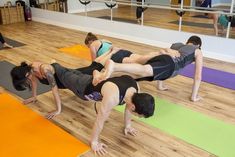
(141, 59)
(105, 57)
(7, 45)
(214, 17)
(97, 77)
(135, 69)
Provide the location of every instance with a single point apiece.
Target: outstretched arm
(93, 52)
(110, 99)
(50, 77)
(197, 75)
(128, 128)
(34, 91)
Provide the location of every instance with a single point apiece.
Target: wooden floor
(161, 18)
(42, 43)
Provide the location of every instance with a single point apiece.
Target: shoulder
(198, 53)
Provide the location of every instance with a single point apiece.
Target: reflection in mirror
(195, 16)
(52, 5)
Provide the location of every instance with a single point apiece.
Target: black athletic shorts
(233, 22)
(163, 67)
(89, 69)
(120, 55)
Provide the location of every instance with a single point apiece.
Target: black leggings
(89, 69)
(2, 39)
(163, 67)
(139, 10)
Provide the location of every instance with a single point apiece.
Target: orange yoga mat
(24, 133)
(79, 51)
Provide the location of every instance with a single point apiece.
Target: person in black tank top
(27, 76)
(165, 65)
(112, 92)
(117, 91)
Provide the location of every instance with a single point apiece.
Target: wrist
(127, 126)
(94, 143)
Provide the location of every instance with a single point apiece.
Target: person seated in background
(4, 43)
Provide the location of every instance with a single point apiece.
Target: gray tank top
(187, 56)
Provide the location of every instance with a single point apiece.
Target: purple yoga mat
(216, 77)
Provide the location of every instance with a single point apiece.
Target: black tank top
(58, 83)
(187, 56)
(123, 83)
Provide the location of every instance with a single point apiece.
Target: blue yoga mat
(213, 76)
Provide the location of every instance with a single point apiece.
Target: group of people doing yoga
(94, 82)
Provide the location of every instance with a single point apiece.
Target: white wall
(74, 6)
(213, 47)
(2, 2)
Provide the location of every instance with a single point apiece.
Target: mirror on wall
(183, 15)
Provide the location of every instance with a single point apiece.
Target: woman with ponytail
(26, 75)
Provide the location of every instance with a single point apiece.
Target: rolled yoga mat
(25, 133)
(213, 76)
(6, 82)
(79, 51)
(200, 130)
(11, 42)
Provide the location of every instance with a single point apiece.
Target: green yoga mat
(207, 133)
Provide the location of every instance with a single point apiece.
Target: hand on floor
(130, 130)
(52, 114)
(29, 100)
(99, 148)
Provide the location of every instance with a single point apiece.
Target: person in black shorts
(111, 92)
(165, 65)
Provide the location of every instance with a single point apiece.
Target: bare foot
(97, 77)
(115, 50)
(7, 45)
(163, 88)
(109, 68)
(53, 61)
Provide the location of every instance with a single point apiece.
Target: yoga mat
(25, 133)
(200, 16)
(79, 51)
(213, 76)
(11, 42)
(207, 133)
(119, 19)
(188, 23)
(6, 82)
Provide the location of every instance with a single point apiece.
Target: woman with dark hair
(97, 47)
(163, 66)
(26, 76)
(4, 43)
(125, 90)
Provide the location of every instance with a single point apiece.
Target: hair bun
(23, 64)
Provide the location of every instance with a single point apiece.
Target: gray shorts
(72, 79)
